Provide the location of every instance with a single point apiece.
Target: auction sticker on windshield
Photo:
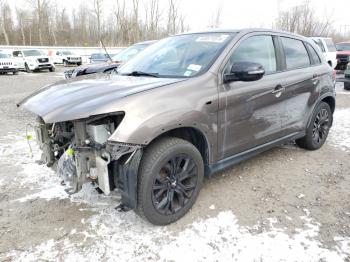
(212, 38)
(194, 67)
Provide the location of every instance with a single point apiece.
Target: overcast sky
(237, 13)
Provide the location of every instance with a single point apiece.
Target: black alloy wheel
(170, 177)
(174, 184)
(320, 127)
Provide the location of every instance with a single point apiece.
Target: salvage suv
(187, 107)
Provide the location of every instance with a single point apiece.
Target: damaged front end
(80, 152)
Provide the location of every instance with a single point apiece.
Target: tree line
(46, 22)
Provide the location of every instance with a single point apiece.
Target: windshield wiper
(140, 73)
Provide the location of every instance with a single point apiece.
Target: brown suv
(188, 106)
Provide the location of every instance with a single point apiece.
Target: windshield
(33, 53)
(2, 55)
(179, 56)
(343, 47)
(128, 53)
(67, 53)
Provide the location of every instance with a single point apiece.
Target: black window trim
(296, 68)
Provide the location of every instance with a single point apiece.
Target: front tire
(27, 68)
(15, 72)
(65, 63)
(170, 177)
(317, 131)
(52, 69)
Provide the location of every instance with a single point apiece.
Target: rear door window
(295, 52)
(256, 49)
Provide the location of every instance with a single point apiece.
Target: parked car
(328, 49)
(33, 60)
(117, 59)
(347, 78)
(343, 55)
(7, 64)
(99, 58)
(67, 58)
(188, 106)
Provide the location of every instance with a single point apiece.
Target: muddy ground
(287, 204)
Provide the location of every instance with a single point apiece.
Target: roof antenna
(110, 58)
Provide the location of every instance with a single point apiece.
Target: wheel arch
(330, 100)
(192, 135)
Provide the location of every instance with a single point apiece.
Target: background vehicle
(343, 55)
(328, 49)
(7, 64)
(347, 78)
(98, 58)
(190, 105)
(117, 59)
(67, 58)
(33, 60)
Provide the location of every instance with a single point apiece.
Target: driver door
(250, 113)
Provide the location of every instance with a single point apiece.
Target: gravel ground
(287, 204)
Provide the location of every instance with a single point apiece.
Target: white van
(328, 49)
(33, 60)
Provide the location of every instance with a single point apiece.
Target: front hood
(86, 96)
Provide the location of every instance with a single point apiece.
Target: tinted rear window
(296, 54)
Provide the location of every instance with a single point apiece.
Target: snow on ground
(215, 239)
(339, 135)
(113, 236)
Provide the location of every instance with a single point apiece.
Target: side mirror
(245, 71)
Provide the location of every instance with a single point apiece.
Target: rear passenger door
(299, 81)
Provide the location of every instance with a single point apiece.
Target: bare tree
(5, 20)
(215, 20)
(97, 10)
(175, 18)
(302, 19)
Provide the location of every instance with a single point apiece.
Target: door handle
(278, 89)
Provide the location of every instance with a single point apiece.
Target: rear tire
(65, 63)
(15, 72)
(170, 177)
(78, 64)
(317, 131)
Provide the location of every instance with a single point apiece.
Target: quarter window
(256, 49)
(316, 59)
(296, 54)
